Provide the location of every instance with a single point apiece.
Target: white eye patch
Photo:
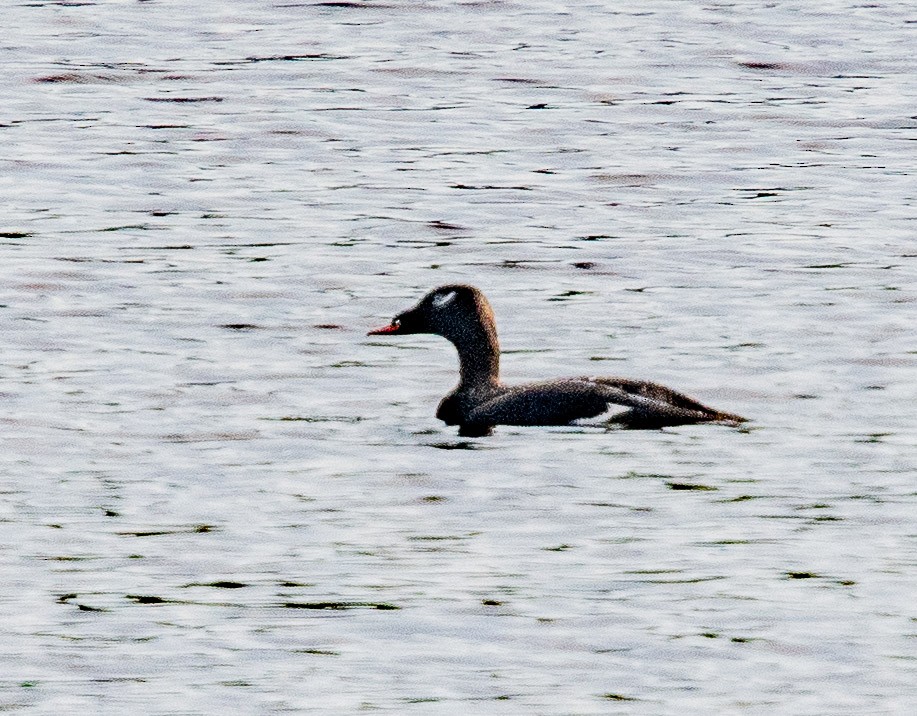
(444, 299)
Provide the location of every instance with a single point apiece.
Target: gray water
(220, 496)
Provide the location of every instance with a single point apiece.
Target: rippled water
(218, 494)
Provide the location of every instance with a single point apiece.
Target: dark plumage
(463, 316)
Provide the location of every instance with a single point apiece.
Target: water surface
(218, 493)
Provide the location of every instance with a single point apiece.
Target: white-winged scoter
(462, 315)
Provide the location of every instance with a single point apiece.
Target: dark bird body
(462, 315)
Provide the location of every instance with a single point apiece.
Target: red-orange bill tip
(393, 328)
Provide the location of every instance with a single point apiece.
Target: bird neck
(479, 357)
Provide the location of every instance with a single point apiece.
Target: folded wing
(653, 405)
(562, 402)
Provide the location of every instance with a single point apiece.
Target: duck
(463, 316)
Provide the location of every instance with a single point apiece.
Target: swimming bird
(462, 315)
